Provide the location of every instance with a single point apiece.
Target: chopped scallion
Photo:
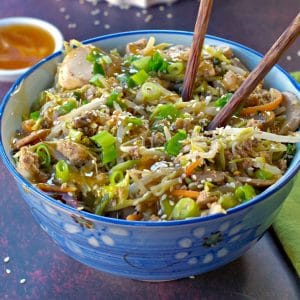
(165, 111)
(34, 115)
(140, 77)
(174, 145)
(222, 101)
(62, 172)
(151, 91)
(44, 155)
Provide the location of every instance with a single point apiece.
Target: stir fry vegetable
(113, 136)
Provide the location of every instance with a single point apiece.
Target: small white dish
(10, 75)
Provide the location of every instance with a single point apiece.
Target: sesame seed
(138, 14)
(106, 26)
(148, 18)
(298, 52)
(6, 259)
(62, 9)
(105, 13)
(144, 11)
(23, 280)
(194, 177)
(169, 16)
(289, 57)
(161, 8)
(67, 17)
(95, 12)
(8, 271)
(192, 277)
(163, 197)
(164, 216)
(72, 25)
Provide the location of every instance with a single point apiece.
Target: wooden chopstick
(261, 70)
(194, 59)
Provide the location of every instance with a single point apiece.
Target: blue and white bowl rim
(291, 172)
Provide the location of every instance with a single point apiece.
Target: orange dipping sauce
(21, 46)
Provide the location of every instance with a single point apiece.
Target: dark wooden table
(262, 273)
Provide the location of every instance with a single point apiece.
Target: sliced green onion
(174, 145)
(107, 142)
(34, 115)
(62, 172)
(175, 69)
(263, 174)
(185, 208)
(142, 63)
(97, 80)
(94, 56)
(222, 101)
(109, 154)
(116, 177)
(124, 166)
(98, 69)
(67, 107)
(157, 63)
(166, 207)
(228, 201)
(166, 111)
(75, 135)
(134, 121)
(140, 77)
(44, 155)
(245, 192)
(102, 204)
(113, 97)
(104, 139)
(291, 149)
(151, 91)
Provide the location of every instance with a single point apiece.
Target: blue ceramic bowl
(145, 250)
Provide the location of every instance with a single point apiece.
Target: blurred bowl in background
(23, 42)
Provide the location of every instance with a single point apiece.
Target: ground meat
(216, 177)
(205, 198)
(29, 166)
(158, 139)
(245, 149)
(183, 124)
(232, 81)
(77, 154)
(89, 121)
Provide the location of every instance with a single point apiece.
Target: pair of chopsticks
(247, 87)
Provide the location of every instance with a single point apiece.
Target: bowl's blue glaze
(145, 250)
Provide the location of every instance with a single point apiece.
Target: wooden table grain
(264, 272)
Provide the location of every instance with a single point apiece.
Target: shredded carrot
(133, 218)
(191, 167)
(186, 193)
(264, 107)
